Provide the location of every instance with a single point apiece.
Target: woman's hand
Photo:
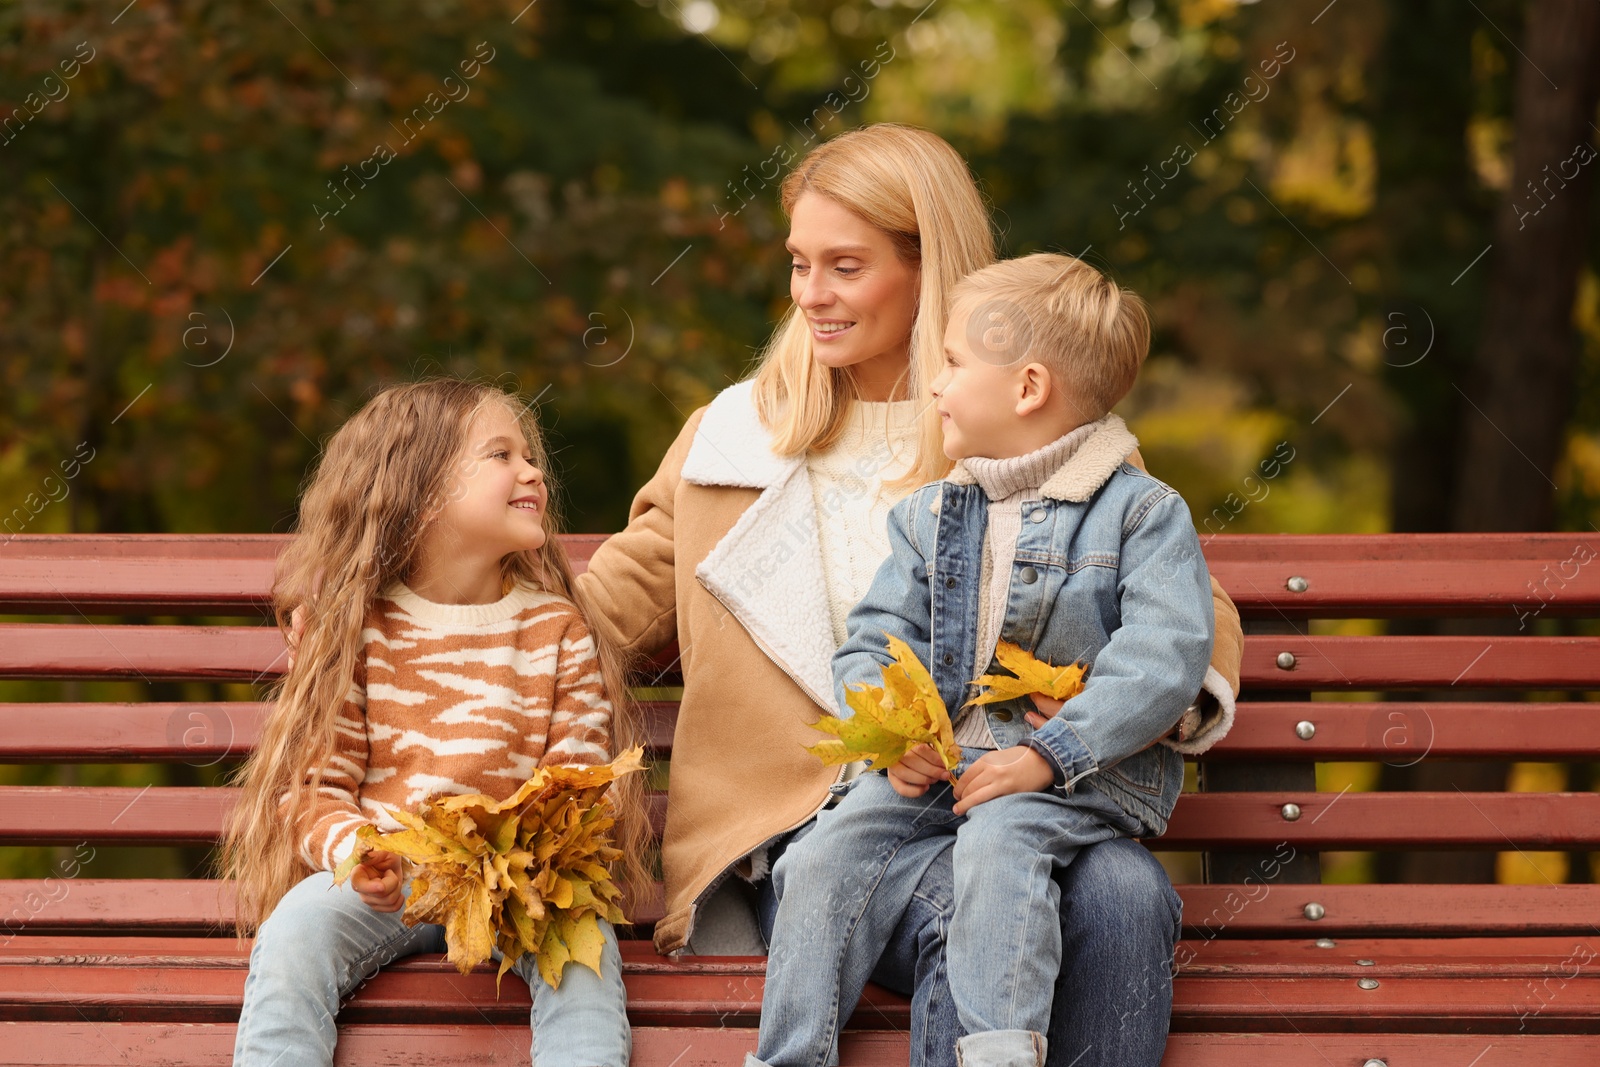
(1046, 708)
(919, 769)
(376, 881)
(995, 774)
(297, 626)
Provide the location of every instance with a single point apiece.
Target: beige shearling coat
(721, 553)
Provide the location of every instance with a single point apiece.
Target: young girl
(442, 652)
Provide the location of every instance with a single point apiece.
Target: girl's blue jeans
(321, 942)
(1112, 992)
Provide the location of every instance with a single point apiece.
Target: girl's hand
(919, 769)
(297, 626)
(376, 881)
(1046, 708)
(995, 774)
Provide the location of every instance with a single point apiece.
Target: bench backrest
(165, 612)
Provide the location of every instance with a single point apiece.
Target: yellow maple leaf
(889, 720)
(527, 874)
(1032, 676)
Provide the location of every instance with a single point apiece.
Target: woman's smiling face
(858, 296)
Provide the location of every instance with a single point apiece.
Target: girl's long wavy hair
(380, 480)
(915, 187)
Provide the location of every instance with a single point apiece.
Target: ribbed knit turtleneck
(1009, 484)
(1001, 478)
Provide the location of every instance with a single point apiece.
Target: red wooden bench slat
(1358, 575)
(183, 814)
(1198, 958)
(1536, 548)
(1539, 548)
(79, 1044)
(1398, 732)
(200, 732)
(1269, 910)
(254, 653)
(1385, 821)
(141, 546)
(1227, 996)
(132, 907)
(1401, 732)
(160, 586)
(54, 907)
(1417, 587)
(167, 653)
(1422, 662)
(1303, 1005)
(165, 815)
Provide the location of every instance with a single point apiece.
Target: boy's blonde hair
(915, 187)
(1089, 332)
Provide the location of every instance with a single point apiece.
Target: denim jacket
(1108, 572)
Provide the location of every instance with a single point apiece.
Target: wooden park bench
(1275, 967)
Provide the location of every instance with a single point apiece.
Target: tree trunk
(1512, 410)
(1521, 387)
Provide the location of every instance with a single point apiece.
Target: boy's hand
(376, 881)
(916, 771)
(1045, 710)
(996, 774)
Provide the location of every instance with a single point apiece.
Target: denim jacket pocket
(1144, 771)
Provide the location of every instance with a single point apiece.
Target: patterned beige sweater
(457, 698)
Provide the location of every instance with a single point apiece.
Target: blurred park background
(1366, 228)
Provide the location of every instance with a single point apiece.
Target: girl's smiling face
(859, 298)
(496, 502)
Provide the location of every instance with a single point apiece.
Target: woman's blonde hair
(379, 481)
(913, 186)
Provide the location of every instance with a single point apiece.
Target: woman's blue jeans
(1113, 996)
(321, 942)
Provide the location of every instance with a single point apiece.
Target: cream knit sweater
(877, 446)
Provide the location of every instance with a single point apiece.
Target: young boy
(1042, 535)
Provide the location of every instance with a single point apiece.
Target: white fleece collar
(767, 569)
(1088, 468)
(732, 447)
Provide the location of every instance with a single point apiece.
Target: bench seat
(1275, 969)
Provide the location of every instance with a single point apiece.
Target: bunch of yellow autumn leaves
(530, 873)
(907, 710)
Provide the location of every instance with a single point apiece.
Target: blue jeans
(843, 889)
(1113, 997)
(321, 942)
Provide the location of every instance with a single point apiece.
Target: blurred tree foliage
(1303, 191)
(591, 217)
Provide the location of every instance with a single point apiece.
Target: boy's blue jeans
(844, 887)
(321, 942)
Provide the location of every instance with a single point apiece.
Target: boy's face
(978, 391)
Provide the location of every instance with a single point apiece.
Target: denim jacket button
(1004, 715)
(949, 658)
(1029, 575)
(950, 583)
(1037, 515)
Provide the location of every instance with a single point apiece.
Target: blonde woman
(766, 522)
